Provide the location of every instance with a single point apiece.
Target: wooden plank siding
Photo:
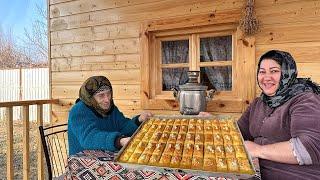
(104, 47)
(120, 77)
(103, 38)
(141, 12)
(119, 91)
(95, 33)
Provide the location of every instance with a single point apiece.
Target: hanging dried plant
(249, 23)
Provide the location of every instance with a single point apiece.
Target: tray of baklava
(210, 146)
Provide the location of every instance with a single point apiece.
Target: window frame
(225, 101)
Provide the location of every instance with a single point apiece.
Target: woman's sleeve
(127, 126)
(305, 124)
(83, 125)
(243, 123)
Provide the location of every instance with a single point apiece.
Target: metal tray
(187, 171)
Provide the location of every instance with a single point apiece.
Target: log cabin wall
(99, 37)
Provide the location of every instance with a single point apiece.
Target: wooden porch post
(26, 155)
(40, 149)
(9, 120)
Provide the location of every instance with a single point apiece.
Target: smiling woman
(282, 126)
(103, 97)
(269, 76)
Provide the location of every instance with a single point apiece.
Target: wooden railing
(25, 118)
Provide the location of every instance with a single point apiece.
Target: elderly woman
(95, 122)
(282, 126)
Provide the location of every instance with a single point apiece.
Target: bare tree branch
(36, 39)
(33, 51)
(10, 55)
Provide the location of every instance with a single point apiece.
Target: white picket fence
(25, 84)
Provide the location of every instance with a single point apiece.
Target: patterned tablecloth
(91, 165)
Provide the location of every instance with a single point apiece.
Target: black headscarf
(289, 85)
(91, 86)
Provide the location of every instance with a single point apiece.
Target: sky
(15, 15)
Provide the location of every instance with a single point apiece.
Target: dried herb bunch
(249, 23)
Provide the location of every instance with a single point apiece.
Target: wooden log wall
(292, 26)
(98, 37)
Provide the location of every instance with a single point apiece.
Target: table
(91, 165)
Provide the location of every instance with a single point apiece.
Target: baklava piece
(230, 151)
(188, 150)
(164, 138)
(184, 122)
(181, 138)
(209, 151)
(240, 152)
(244, 166)
(175, 129)
(156, 121)
(198, 139)
(209, 164)
(140, 147)
(198, 150)
(227, 140)
(149, 149)
(132, 146)
(172, 138)
(165, 160)
(236, 139)
(197, 163)
(189, 138)
(125, 156)
(185, 162)
(225, 129)
(199, 129)
(178, 148)
(169, 149)
(217, 139)
(134, 158)
(183, 129)
(208, 139)
(219, 150)
(192, 122)
(232, 165)
(170, 122)
(155, 137)
(208, 130)
(177, 122)
(215, 128)
(175, 161)
(167, 129)
(154, 160)
(144, 159)
(222, 165)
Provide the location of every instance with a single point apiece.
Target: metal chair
(55, 146)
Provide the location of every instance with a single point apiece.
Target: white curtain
(174, 52)
(216, 49)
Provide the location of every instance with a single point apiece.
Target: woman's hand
(124, 141)
(204, 114)
(144, 116)
(253, 149)
(279, 152)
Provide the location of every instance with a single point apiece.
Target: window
(214, 50)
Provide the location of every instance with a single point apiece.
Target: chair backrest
(55, 146)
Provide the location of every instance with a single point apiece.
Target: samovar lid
(192, 84)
